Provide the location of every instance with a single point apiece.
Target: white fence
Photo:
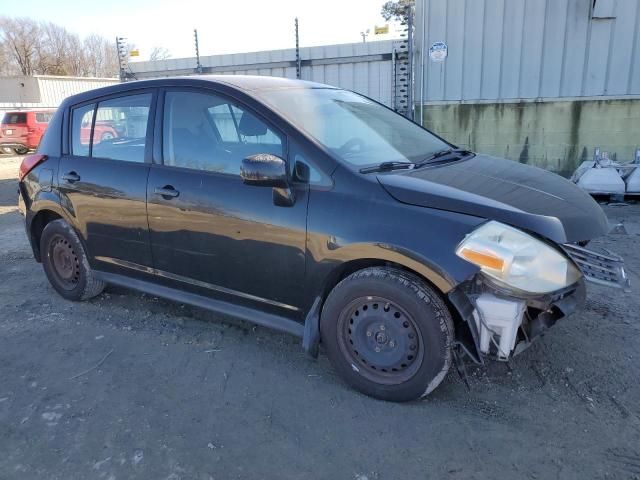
(366, 68)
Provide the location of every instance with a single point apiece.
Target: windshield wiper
(387, 166)
(443, 153)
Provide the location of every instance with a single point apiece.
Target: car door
(102, 179)
(208, 230)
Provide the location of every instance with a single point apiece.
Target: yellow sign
(134, 53)
(381, 30)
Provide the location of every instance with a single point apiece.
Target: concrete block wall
(555, 135)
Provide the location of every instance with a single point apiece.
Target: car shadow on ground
(8, 193)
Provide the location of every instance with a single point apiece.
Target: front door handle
(71, 177)
(166, 192)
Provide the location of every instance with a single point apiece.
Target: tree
(28, 47)
(159, 53)
(20, 37)
(60, 52)
(397, 10)
(102, 59)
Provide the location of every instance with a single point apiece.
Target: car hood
(519, 195)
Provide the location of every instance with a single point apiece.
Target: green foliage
(397, 10)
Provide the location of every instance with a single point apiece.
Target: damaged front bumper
(500, 324)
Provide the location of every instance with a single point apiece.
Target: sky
(224, 26)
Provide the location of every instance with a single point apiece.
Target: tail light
(29, 163)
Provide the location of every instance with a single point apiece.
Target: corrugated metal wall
(523, 49)
(363, 67)
(43, 91)
(55, 89)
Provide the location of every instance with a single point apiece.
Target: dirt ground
(181, 394)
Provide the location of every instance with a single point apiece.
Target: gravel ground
(181, 393)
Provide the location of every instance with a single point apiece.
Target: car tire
(107, 136)
(21, 151)
(65, 263)
(388, 334)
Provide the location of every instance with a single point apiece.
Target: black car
(315, 211)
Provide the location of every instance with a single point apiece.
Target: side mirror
(264, 170)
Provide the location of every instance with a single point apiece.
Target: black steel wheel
(65, 262)
(388, 333)
(381, 338)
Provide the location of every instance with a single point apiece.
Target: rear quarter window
(81, 120)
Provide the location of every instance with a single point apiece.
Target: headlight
(516, 259)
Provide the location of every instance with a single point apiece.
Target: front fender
(338, 255)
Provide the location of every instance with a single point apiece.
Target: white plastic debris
(633, 181)
(498, 321)
(602, 180)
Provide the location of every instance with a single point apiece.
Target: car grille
(604, 268)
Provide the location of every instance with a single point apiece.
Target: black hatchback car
(315, 211)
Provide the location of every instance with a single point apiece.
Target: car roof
(250, 84)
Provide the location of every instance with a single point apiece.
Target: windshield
(357, 130)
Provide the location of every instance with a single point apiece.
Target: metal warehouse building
(543, 82)
(540, 81)
(364, 67)
(44, 91)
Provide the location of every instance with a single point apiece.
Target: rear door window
(14, 118)
(120, 128)
(81, 120)
(203, 131)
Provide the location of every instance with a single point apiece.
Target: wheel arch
(441, 284)
(342, 271)
(39, 221)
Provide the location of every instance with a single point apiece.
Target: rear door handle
(166, 192)
(71, 177)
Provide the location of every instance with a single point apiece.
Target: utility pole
(198, 65)
(121, 46)
(410, 66)
(298, 63)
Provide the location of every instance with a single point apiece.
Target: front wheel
(388, 334)
(65, 263)
(21, 150)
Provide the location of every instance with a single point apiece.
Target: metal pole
(394, 99)
(410, 63)
(198, 65)
(120, 47)
(298, 64)
(423, 39)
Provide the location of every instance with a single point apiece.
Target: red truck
(22, 131)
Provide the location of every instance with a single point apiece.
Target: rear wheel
(21, 150)
(65, 262)
(388, 334)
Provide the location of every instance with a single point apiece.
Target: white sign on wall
(438, 51)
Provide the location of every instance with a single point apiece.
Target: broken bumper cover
(536, 315)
